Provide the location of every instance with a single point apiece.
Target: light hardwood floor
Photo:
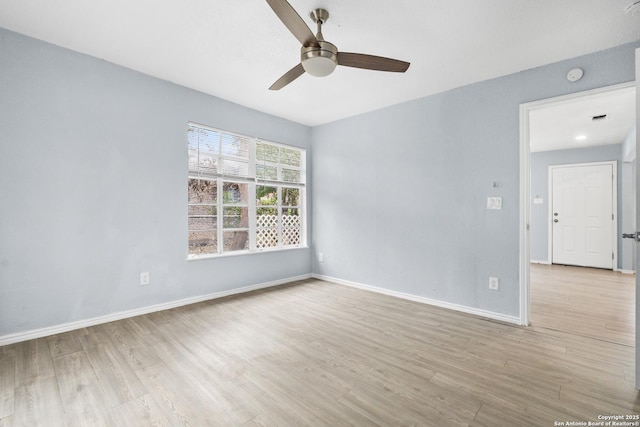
(316, 354)
(584, 301)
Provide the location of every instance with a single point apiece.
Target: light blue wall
(93, 168)
(399, 198)
(93, 173)
(540, 163)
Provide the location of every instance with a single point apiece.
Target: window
(245, 194)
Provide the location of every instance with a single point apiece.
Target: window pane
(234, 193)
(267, 224)
(192, 147)
(290, 175)
(236, 241)
(203, 191)
(192, 138)
(209, 141)
(234, 145)
(289, 157)
(203, 150)
(268, 211)
(267, 172)
(202, 210)
(202, 243)
(291, 227)
(267, 153)
(266, 196)
(267, 238)
(235, 168)
(290, 196)
(235, 217)
(208, 165)
(290, 217)
(206, 140)
(267, 218)
(202, 223)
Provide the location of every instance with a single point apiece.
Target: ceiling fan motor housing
(319, 61)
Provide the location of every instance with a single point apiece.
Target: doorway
(536, 200)
(582, 211)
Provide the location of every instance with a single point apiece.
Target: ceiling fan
(318, 57)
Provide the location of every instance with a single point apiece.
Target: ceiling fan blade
(293, 22)
(288, 77)
(371, 62)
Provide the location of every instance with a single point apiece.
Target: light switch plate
(494, 203)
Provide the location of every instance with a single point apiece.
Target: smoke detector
(632, 8)
(575, 74)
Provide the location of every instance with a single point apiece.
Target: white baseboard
(535, 261)
(457, 307)
(66, 327)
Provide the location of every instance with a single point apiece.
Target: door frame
(525, 186)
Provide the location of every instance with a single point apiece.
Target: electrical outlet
(494, 283)
(321, 257)
(144, 278)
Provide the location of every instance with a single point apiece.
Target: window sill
(241, 253)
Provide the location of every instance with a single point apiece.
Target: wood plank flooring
(584, 301)
(313, 354)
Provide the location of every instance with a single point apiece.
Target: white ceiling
(556, 126)
(236, 49)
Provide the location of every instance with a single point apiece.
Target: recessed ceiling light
(581, 137)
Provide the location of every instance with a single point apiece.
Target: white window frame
(252, 182)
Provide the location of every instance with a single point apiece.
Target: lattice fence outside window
(291, 227)
(267, 230)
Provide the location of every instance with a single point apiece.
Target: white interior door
(582, 215)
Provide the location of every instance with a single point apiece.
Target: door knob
(555, 220)
(631, 236)
(555, 214)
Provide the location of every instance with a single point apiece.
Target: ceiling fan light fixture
(319, 66)
(319, 57)
(319, 61)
